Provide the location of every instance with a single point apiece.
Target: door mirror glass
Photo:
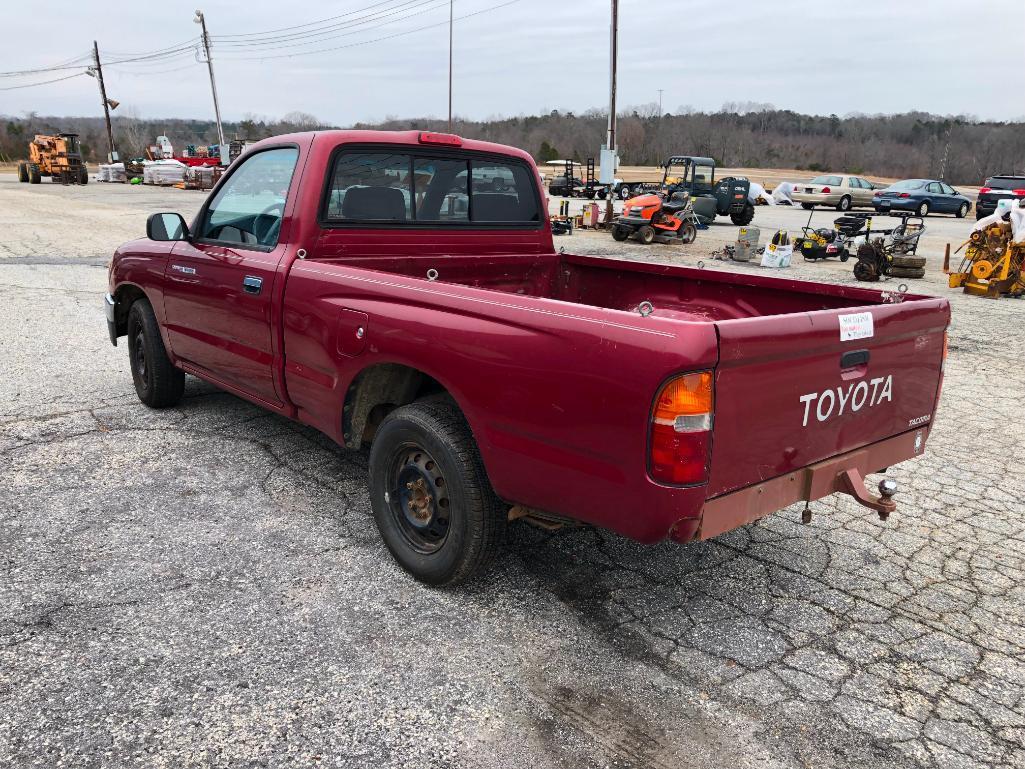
(166, 227)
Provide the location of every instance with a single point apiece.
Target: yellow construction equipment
(58, 156)
(993, 264)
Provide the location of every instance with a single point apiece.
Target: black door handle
(252, 284)
(853, 358)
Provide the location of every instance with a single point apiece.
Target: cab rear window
(385, 188)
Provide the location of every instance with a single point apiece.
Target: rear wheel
(624, 193)
(740, 218)
(907, 272)
(844, 204)
(923, 208)
(157, 382)
(83, 175)
(688, 233)
(34, 177)
(646, 234)
(962, 212)
(430, 494)
(620, 233)
(23, 172)
(807, 206)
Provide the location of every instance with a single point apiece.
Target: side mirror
(167, 227)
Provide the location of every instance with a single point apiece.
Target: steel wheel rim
(139, 356)
(418, 499)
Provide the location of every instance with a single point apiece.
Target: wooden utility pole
(222, 149)
(106, 105)
(611, 139)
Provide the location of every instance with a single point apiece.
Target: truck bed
(784, 397)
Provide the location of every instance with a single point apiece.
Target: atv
(651, 219)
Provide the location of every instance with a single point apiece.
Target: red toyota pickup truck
(401, 291)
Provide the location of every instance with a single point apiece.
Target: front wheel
(962, 212)
(923, 209)
(620, 233)
(844, 204)
(430, 494)
(23, 172)
(807, 206)
(624, 193)
(741, 218)
(157, 382)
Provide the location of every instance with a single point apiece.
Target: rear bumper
(816, 198)
(895, 204)
(110, 308)
(816, 481)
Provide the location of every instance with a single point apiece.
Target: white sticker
(857, 326)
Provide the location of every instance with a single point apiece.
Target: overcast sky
(530, 56)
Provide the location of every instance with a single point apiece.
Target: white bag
(777, 256)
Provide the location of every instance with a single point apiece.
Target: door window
(248, 208)
(933, 187)
(947, 189)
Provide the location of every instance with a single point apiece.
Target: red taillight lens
(904, 195)
(681, 428)
(1019, 193)
(826, 190)
(984, 190)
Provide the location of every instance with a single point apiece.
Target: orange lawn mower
(651, 218)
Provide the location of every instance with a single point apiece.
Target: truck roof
(412, 138)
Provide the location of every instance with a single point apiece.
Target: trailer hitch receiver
(852, 483)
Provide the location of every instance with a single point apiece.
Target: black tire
(906, 272)
(646, 234)
(979, 214)
(962, 212)
(23, 172)
(923, 208)
(845, 255)
(744, 217)
(688, 233)
(844, 204)
(620, 234)
(914, 262)
(34, 177)
(624, 192)
(430, 494)
(157, 382)
(601, 193)
(83, 175)
(807, 206)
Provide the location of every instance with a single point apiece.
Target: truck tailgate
(794, 389)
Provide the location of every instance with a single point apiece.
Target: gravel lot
(205, 586)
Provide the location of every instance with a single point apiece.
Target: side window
(502, 192)
(859, 183)
(370, 186)
(441, 190)
(947, 189)
(248, 208)
(933, 187)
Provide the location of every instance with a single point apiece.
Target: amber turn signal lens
(687, 395)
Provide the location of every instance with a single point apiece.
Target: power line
(66, 65)
(302, 26)
(42, 82)
(272, 45)
(376, 39)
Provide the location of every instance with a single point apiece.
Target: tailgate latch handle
(853, 358)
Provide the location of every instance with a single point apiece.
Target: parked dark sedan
(924, 197)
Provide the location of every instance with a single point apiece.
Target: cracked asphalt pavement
(204, 586)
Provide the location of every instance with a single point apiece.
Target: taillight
(1019, 193)
(826, 190)
(681, 429)
(904, 195)
(984, 190)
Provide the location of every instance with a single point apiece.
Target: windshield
(910, 184)
(835, 180)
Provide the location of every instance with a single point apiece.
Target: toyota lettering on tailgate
(834, 402)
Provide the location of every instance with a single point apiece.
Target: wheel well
(125, 296)
(377, 391)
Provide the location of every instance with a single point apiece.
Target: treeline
(961, 150)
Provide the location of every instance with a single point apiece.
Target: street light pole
(106, 105)
(611, 140)
(201, 20)
(451, 3)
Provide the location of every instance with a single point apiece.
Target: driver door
(219, 285)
